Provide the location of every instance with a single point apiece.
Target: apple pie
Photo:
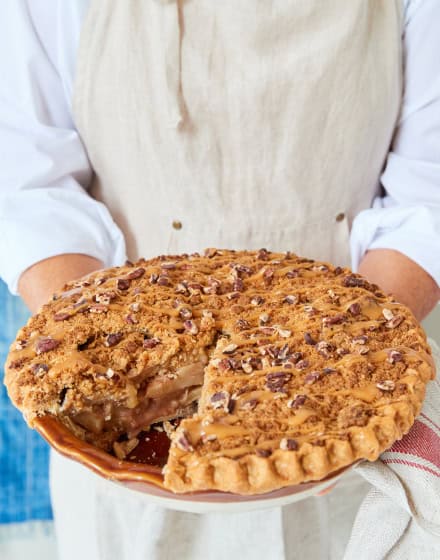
(281, 369)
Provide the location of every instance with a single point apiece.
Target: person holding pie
(162, 127)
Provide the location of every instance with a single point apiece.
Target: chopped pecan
(386, 385)
(46, 344)
(220, 400)
(136, 274)
(184, 443)
(394, 322)
(150, 343)
(263, 452)
(113, 339)
(276, 381)
(312, 377)
(185, 313)
(394, 356)
(229, 349)
(308, 338)
(354, 282)
(288, 444)
(39, 369)
(355, 309)
(163, 280)
(123, 284)
(334, 320)
(191, 327)
(61, 316)
(263, 255)
(296, 402)
(302, 364)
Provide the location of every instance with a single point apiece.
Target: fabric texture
(30, 539)
(24, 455)
(229, 167)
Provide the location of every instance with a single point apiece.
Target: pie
(282, 369)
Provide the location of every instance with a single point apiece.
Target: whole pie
(281, 369)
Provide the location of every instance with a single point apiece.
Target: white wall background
(432, 324)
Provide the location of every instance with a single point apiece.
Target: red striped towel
(400, 517)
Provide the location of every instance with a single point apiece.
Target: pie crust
(299, 368)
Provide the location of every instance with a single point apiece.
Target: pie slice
(282, 369)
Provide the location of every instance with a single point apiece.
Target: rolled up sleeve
(45, 209)
(407, 217)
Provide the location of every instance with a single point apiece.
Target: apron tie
(172, 43)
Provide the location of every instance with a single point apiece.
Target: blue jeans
(24, 455)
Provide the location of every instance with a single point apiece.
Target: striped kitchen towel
(399, 518)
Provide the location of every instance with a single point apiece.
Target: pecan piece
(312, 377)
(296, 402)
(229, 349)
(98, 308)
(263, 452)
(184, 443)
(46, 344)
(334, 320)
(354, 282)
(136, 274)
(113, 339)
(394, 322)
(394, 356)
(250, 404)
(308, 338)
(150, 343)
(185, 313)
(302, 364)
(220, 400)
(163, 280)
(263, 255)
(276, 381)
(354, 309)
(386, 385)
(288, 444)
(39, 369)
(191, 327)
(123, 284)
(242, 324)
(61, 316)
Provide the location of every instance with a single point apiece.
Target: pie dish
(281, 370)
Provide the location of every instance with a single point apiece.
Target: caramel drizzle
(370, 308)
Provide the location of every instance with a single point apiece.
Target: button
(340, 217)
(177, 224)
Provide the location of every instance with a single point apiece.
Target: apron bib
(236, 124)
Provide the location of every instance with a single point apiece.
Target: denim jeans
(24, 455)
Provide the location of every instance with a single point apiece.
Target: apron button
(340, 217)
(177, 224)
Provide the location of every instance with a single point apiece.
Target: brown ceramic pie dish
(148, 479)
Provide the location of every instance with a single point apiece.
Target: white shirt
(44, 171)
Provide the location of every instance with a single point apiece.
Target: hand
(40, 281)
(401, 277)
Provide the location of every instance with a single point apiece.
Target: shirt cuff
(411, 230)
(41, 223)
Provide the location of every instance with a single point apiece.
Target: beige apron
(241, 124)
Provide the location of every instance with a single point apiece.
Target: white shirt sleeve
(44, 171)
(407, 217)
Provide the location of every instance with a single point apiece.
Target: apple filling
(166, 396)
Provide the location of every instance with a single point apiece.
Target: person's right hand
(40, 281)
